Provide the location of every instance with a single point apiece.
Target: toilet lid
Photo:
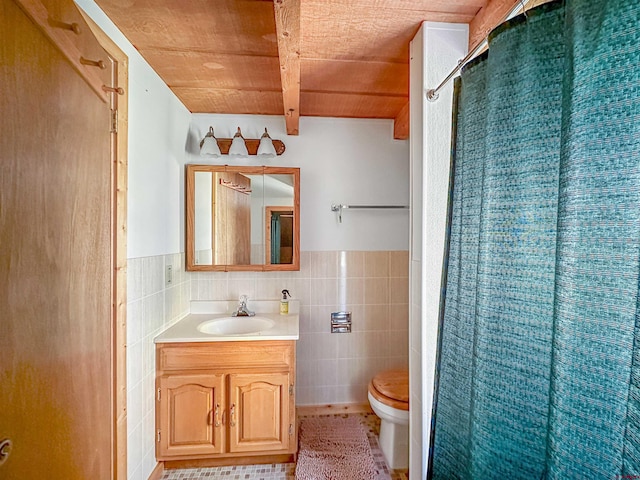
(393, 384)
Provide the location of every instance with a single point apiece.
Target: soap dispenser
(284, 303)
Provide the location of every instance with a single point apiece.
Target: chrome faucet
(242, 310)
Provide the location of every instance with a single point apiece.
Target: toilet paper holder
(340, 322)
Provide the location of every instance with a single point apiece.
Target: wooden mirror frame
(191, 170)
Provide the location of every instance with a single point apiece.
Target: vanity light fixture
(238, 146)
(266, 148)
(209, 145)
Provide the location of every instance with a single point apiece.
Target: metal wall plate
(341, 322)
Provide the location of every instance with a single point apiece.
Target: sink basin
(236, 325)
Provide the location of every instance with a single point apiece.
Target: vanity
(225, 386)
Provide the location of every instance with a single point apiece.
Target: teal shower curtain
(539, 348)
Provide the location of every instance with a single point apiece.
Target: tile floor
(284, 471)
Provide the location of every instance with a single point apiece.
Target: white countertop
(186, 330)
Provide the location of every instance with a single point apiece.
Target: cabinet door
(190, 415)
(259, 412)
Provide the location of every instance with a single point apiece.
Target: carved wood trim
(119, 216)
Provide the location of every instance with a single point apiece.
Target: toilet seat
(391, 388)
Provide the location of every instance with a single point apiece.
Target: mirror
(242, 218)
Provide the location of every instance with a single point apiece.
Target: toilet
(389, 399)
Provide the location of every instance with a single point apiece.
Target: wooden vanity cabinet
(190, 415)
(221, 400)
(259, 413)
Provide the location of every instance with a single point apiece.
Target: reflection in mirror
(203, 234)
(242, 218)
(279, 237)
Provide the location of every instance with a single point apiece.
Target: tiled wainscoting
(331, 368)
(152, 306)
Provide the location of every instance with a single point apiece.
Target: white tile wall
(373, 285)
(332, 368)
(152, 306)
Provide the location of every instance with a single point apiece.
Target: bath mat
(335, 448)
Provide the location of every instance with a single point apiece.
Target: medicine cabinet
(242, 218)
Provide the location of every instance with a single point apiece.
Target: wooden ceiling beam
(287, 13)
(487, 19)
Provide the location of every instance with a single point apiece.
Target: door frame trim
(119, 253)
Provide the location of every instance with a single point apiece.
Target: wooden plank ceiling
(334, 58)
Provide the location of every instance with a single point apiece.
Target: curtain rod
(433, 93)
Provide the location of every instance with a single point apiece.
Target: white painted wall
(341, 160)
(435, 50)
(262, 197)
(158, 127)
(416, 126)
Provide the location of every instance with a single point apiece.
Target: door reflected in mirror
(279, 235)
(242, 218)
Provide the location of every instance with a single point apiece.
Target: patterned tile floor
(284, 471)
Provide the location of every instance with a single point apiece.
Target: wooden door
(282, 248)
(56, 284)
(259, 412)
(191, 415)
